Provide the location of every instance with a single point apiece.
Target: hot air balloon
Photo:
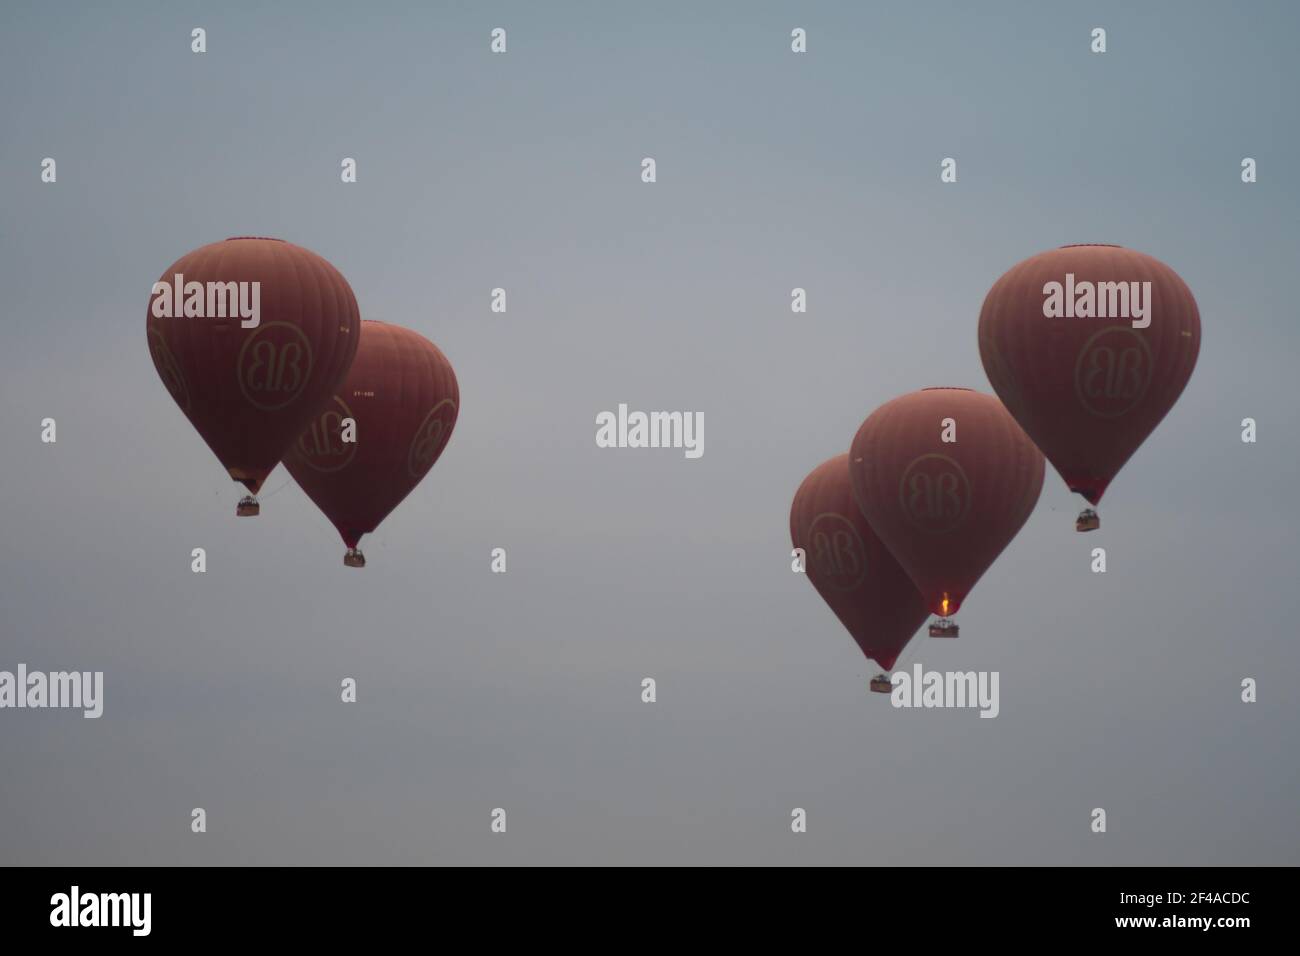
(852, 570)
(945, 508)
(1089, 346)
(250, 337)
(402, 397)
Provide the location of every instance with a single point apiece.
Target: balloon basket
(248, 507)
(1088, 520)
(880, 684)
(943, 628)
(354, 558)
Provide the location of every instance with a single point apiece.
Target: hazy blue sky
(522, 690)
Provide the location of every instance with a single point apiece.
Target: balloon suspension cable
(906, 658)
(278, 488)
(902, 662)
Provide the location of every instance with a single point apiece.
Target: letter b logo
(935, 494)
(1112, 372)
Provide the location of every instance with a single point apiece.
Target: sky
(522, 690)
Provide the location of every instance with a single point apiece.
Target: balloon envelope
(249, 391)
(849, 566)
(402, 395)
(1089, 390)
(945, 510)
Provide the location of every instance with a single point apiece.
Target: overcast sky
(522, 691)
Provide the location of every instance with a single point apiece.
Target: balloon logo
(431, 438)
(168, 370)
(1113, 372)
(274, 365)
(837, 551)
(935, 494)
(321, 446)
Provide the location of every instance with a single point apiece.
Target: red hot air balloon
(402, 396)
(251, 336)
(1089, 347)
(945, 509)
(851, 569)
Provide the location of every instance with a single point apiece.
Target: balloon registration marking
(1113, 372)
(935, 494)
(837, 551)
(430, 438)
(274, 367)
(321, 446)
